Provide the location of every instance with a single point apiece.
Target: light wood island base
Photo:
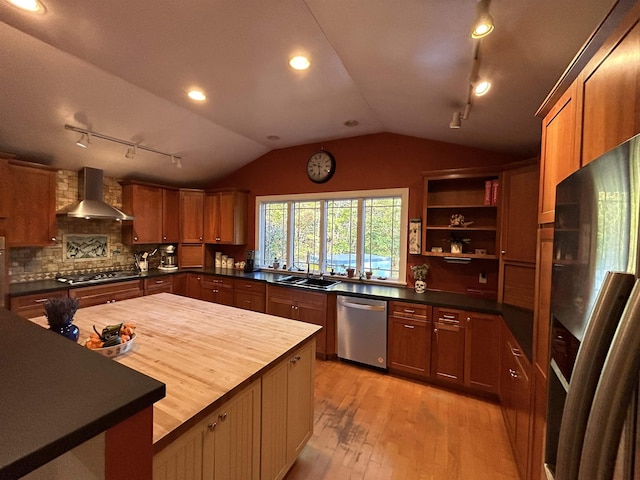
(239, 401)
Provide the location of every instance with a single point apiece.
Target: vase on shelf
(420, 286)
(456, 247)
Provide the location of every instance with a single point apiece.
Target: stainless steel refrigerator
(595, 314)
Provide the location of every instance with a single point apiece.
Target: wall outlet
(482, 278)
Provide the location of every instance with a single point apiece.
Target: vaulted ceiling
(123, 69)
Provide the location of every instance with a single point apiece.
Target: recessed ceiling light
(273, 137)
(481, 88)
(29, 5)
(352, 123)
(299, 62)
(197, 95)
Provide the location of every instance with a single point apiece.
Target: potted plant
(456, 242)
(59, 313)
(420, 273)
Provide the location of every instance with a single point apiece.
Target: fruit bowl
(115, 350)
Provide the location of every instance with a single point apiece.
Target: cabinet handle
(164, 238)
(247, 285)
(212, 426)
(53, 239)
(409, 326)
(408, 310)
(222, 416)
(516, 352)
(295, 359)
(200, 238)
(158, 282)
(435, 330)
(468, 319)
(448, 316)
(41, 300)
(135, 238)
(217, 239)
(503, 252)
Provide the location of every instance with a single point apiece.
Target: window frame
(361, 195)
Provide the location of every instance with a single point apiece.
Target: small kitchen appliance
(168, 260)
(252, 263)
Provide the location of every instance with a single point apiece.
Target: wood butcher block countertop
(204, 352)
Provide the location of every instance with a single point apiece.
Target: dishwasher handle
(362, 306)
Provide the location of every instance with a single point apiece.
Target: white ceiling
(122, 68)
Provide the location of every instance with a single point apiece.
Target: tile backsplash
(42, 263)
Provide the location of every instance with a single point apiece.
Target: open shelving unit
(449, 193)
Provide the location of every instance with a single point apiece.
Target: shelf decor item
(415, 236)
(457, 242)
(420, 273)
(59, 313)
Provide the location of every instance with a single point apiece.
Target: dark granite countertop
(519, 321)
(56, 395)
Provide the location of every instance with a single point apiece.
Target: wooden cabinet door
(170, 216)
(183, 458)
(191, 216)
(281, 306)
(447, 352)
(482, 351)
(249, 301)
(560, 157)
(181, 284)
(30, 306)
(194, 286)
(236, 446)
(312, 308)
(300, 388)
(542, 316)
(274, 422)
(32, 203)
(212, 218)
(158, 285)
(519, 218)
(144, 202)
(410, 346)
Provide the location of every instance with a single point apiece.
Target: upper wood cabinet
(225, 217)
(519, 218)
(156, 212)
(473, 193)
(31, 218)
(560, 155)
(4, 190)
(191, 216)
(610, 91)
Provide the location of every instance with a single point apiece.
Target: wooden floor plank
(370, 425)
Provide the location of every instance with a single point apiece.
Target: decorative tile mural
(86, 247)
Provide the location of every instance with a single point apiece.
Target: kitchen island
(239, 384)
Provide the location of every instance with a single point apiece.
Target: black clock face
(321, 166)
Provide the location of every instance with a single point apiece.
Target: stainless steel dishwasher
(362, 330)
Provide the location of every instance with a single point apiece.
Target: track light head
(483, 24)
(456, 120)
(84, 141)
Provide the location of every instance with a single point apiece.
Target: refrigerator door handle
(615, 390)
(604, 319)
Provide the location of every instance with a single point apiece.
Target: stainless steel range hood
(90, 194)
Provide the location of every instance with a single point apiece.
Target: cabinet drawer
(30, 306)
(449, 316)
(157, 285)
(110, 293)
(216, 282)
(410, 310)
(249, 301)
(249, 286)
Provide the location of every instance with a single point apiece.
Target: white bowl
(116, 350)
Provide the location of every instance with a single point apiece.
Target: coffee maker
(168, 260)
(252, 262)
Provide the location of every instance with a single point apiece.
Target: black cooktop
(96, 277)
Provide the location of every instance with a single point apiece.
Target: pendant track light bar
(134, 146)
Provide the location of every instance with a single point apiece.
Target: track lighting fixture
(85, 139)
(456, 121)
(483, 25)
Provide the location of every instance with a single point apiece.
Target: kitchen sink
(307, 282)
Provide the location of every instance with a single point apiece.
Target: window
(334, 231)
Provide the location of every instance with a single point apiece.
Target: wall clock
(321, 166)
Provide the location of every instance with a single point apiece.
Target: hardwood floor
(370, 425)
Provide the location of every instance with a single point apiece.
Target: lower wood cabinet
(249, 295)
(158, 285)
(109, 293)
(296, 304)
(287, 412)
(515, 398)
(31, 306)
(409, 332)
(482, 351)
(447, 345)
(217, 289)
(224, 446)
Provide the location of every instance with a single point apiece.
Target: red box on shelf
(494, 192)
(487, 192)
